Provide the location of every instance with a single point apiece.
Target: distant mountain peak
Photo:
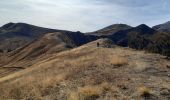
(143, 26)
(14, 35)
(11, 25)
(165, 27)
(168, 22)
(22, 24)
(110, 30)
(6, 26)
(143, 29)
(116, 26)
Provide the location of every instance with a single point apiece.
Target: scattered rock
(165, 92)
(168, 66)
(168, 75)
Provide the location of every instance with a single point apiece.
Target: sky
(84, 15)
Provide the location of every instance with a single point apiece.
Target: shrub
(144, 91)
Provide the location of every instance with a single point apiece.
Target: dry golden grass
(73, 96)
(90, 92)
(118, 61)
(87, 73)
(31, 87)
(40, 79)
(86, 93)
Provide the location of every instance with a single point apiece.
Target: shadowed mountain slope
(165, 27)
(140, 37)
(14, 35)
(160, 43)
(123, 37)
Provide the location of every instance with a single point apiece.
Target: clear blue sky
(84, 15)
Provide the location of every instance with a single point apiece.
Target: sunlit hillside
(89, 72)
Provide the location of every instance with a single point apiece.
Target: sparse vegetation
(160, 44)
(31, 87)
(89, 92)
(86, 73)
(144, 91)
(157, 43)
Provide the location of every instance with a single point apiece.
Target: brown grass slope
(29, 54)
(90, 73)
(49, 44)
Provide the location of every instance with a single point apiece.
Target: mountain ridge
(165, 27)
(110, 30)
(15, 35)
(139, 37)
